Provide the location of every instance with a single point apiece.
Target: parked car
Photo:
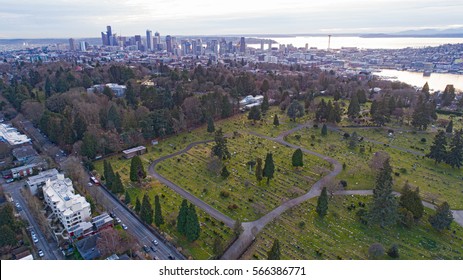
(155, 242)
(146, 249)
(124, 226)
(41, 254)
(170, 257)
(153, 249)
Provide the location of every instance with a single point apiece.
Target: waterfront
(337, 42)
(437, 81)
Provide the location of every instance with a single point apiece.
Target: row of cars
(35, 239)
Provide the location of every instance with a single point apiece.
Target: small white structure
(119, 90)
(68, 207)
(251, 100)
(130, 153)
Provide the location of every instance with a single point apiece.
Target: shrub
(346, 135)
(224, 194)
(233, 206)
(343, 183)
(376, 251)
(393, 252)
(301, 224)
(423, 140)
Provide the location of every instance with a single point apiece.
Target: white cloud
(86, 18)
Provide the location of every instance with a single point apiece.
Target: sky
(87, 18)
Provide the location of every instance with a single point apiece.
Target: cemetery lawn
(240, 196)
(437, 182)
(340, 235)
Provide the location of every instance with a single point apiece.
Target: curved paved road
(185, 194)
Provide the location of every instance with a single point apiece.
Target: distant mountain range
(439, 33)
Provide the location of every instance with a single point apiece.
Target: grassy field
(303, 235)
(437, 182)
(240, 196)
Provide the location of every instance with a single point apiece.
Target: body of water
(321, 42)
(437, 81)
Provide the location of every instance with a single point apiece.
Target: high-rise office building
(83, 46)
(169, 44)
(242, 45)
(149, 40)
(72, 44)
(138, 42)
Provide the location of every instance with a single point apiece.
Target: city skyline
(62, 18)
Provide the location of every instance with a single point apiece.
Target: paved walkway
(185, 194)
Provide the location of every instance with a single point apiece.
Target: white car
(35, 239)
(41, 254)
(124, 226)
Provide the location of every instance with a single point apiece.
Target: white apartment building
(70, 208)
(37, 181)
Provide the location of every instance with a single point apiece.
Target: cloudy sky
(87, 18)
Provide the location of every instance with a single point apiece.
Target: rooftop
(12, 136)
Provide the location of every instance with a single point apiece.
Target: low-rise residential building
(22, 171)
(12, 136)
(37, 181)
(68, 207)
(24, 153)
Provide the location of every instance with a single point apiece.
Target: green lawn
(240, 196)
(437, 182)
(303, 235)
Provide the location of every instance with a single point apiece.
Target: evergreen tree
(274, 253)
(438, 150)
(117, 186)
(127, 198)
(114, 117)
(295, 110)
(79, 126)
(265, 86)
(383, 210)
(259, 171)
(109, 174)
(449, 128)
(226, 107)
(130, 95)
(224, 172)
(322, 203)
(337, 95)
(321, 113)
(265, 105)
(89, 145)
(48, 87)
(337, 111)
(324, 130)
(411, 200)
(220, 148)
(269, 167)
(354, 107)
(276, 122)
(210, 125)
(7, 236)
(146, 211)
(137, 206)
(423, 114)
(182, 217)
(455, 154)
(137, 171)
(425, 88)
(297, 158)
(443, 217)
(158, 218)
(362, 97)
(192, 224)
(254, 114)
